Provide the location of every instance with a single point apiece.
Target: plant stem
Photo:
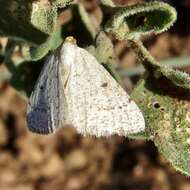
(142, 53)
(178, 62)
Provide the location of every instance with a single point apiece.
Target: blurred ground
(67, 161)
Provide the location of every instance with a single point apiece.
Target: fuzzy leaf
(85, 18)
(44, 16)
(166, 108)
(141, 19)
(15, 21)
(108, 3)
(52, 43)
(104, 49)
(163, 96)
(61, 3)
(104, 52)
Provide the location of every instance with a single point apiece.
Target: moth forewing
(43, 111)
(73, 88)
(97, 104)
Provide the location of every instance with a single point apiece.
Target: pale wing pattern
(97, 104)
(45, 113)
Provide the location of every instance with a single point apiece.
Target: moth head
(70, 39)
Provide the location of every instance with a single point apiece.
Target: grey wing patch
(97, 104)
(44, 112)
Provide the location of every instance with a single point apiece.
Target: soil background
(67, 161)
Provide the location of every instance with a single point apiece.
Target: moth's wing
(45, 111)
(97, 104)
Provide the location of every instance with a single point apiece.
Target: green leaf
(108, 3)
(61, 3)
(104, 49)
(85, 18)
(15, 21)
(104, 52)
(44, 16)
(163, 96)
(166, 109)
(141, 19)
(52, 43)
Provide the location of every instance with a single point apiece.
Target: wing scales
(97, 105)
(74, 88)
(45, 113)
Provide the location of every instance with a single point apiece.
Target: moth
(73, 88)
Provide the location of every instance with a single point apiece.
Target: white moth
(73, 88)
